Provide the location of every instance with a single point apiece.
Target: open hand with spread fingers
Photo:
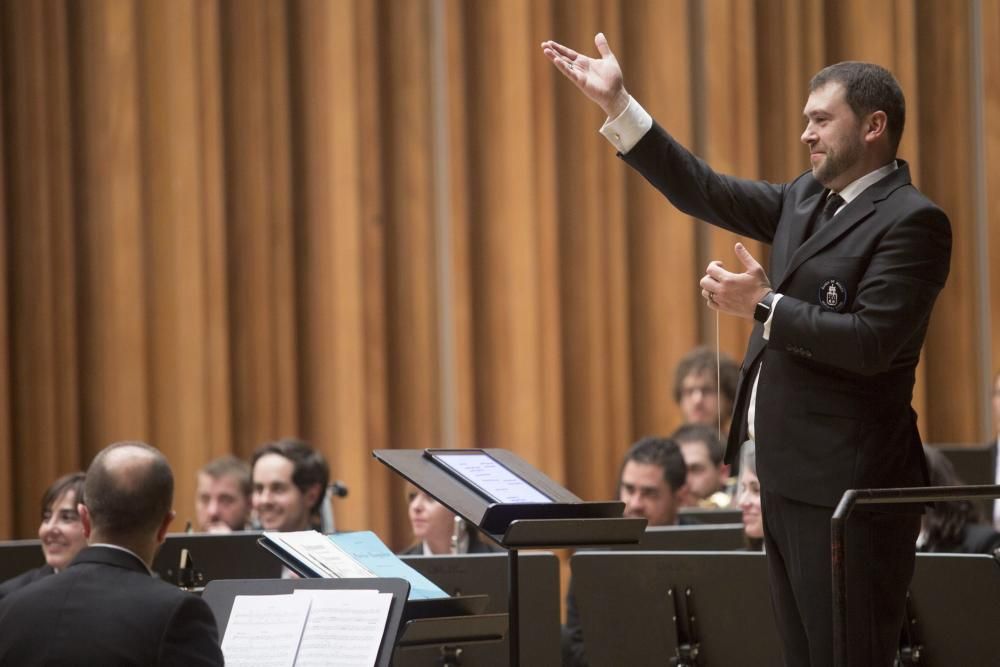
(600, 79)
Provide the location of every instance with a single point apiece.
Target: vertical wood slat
(262, 298)
(175, 241)
(218, 437)
(505, 241)
(948, 179)
(410, 257)
(43, 331)
(331, 252)
(990, 66)
(8, 500)
(114, 345)
(664, 269)
(384, 485)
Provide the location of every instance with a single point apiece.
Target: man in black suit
(107, 608)
(858, 258)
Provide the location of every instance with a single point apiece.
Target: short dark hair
(230, 466)
(868, 87)
(701, 360)
(73, 481)
(701, 433)
(308, 465)
(662, 452)
(128, 498)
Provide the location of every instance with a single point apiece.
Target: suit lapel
(851, 215)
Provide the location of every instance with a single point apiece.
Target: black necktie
(833, 202)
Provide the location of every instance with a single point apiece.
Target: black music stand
(952, 611)
(221, 593)
(19, 556)
(707, 537)
(712, 514)
(567, 521)
(705, 608)
(214, 556)
(486, 574)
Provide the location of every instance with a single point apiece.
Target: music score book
(357, 555)
(309, 628)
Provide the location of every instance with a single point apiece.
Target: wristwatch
(763, 309)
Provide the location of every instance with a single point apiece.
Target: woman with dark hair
(953, 526)
(439, 531)
(748, 497)
(61, 531)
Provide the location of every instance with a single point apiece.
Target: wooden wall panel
(330, 252)
(43, 332)
(952, 351)
(551, 459)
(260, 243)
(218, 436)
(414, 362)
(174, 241)
(504, 234)
(7, 474)
(384, 485)
(584, 266)
(990, 85)
(393, 224)
(115, 391)
(665, 300)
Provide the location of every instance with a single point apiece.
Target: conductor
(858, 257)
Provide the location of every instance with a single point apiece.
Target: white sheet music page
(264, 630)
(322, 555)
(344, 628)
(493, 477)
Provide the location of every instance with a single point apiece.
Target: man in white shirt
(858, 257)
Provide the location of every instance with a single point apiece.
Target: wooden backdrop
(390, 223)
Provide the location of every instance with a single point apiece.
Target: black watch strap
(763, 309)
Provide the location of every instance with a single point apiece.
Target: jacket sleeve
(746, 207)
(191, 637)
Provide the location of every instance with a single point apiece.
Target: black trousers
(881, 554)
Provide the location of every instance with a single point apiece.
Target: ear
(84, 513)
(161, 533)
(312, 495)
(724, 470)
(876, 126)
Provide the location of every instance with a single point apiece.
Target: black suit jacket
(25, 578)
(833, 402)
(106, 609)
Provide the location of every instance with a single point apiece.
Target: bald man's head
(129, 490)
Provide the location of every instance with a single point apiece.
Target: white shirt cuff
(625, 131)
(770, 317)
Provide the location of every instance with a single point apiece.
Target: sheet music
(366, 548)
(320, 554)
(264, 630)
(344, 628)
(494, 478)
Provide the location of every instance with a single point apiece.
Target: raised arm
(600, 79)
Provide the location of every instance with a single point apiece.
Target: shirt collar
(128, 551)
(856, 187)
